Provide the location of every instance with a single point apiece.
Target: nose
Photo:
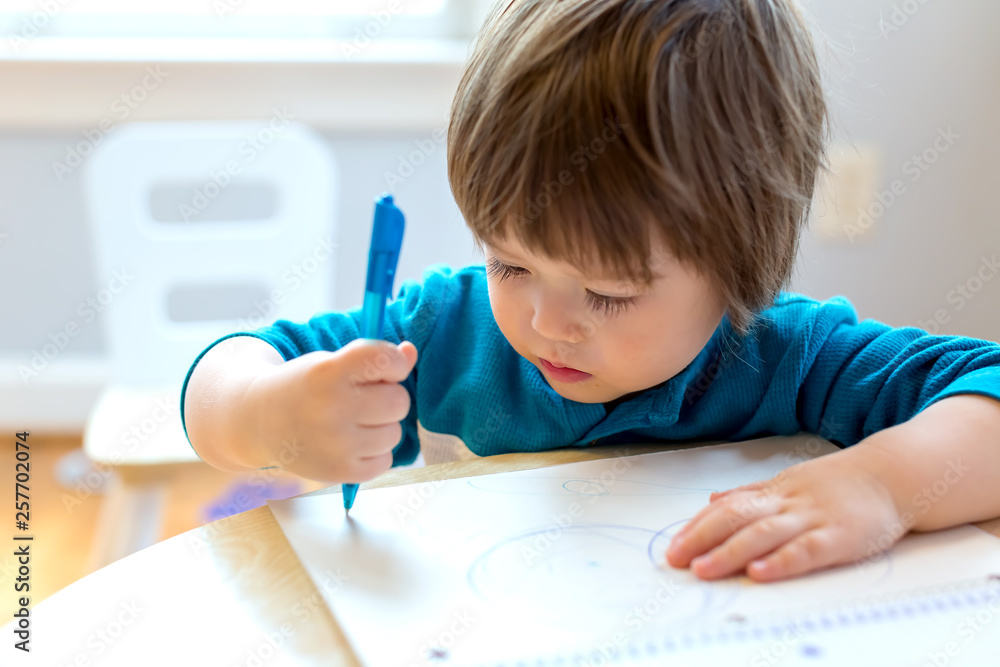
(553, 319)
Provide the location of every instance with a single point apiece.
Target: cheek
(504, 308)
(635, 345)
(651, 345)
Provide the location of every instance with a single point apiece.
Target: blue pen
(387, 239)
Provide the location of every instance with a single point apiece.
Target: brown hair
(592, 128)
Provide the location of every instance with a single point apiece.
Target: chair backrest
(205, 228)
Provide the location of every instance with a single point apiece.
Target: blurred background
(154, 154)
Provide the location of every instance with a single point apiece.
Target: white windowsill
(403, 85)
(235, 50)
(58, 400)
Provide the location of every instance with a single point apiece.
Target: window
(281, 19)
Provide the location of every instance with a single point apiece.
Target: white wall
(894, 91)
(940, 69)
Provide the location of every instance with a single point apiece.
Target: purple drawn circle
(486, 575)
(713, 600)
(489, 553)
(658, 534)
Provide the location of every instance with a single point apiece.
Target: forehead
(511, 249)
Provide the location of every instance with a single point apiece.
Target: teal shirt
(810, 366)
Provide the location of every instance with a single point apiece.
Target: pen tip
(350, 491)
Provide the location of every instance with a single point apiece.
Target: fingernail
(758, 566)
(701, 560)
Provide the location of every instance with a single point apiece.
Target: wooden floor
(63, 520)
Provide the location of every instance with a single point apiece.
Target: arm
(214, 390)
(813, 367)
(250, 393)
(927, 453)
(940, 469)
(333, 416)
(945, 463)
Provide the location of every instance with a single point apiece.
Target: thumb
(409, 350)
(382, 361)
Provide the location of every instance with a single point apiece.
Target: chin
(579, 394)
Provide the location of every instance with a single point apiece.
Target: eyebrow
(607, 279)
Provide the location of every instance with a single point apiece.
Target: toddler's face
(623, 340)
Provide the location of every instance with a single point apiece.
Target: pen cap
(387, 239)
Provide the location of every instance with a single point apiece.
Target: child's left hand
(815, 514)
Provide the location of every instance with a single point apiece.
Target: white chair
(180, 266)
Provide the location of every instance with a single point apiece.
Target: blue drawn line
(583, 487)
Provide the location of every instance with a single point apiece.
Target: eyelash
(609, 305)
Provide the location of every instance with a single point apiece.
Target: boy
(637, 173)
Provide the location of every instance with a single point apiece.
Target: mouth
(555, 365)
(563, 373)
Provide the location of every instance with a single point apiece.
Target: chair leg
(131, 513)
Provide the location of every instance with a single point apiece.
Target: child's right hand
(331, 416)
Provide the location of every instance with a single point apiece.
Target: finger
(381, 404)
(693, 524)
(376, 440)
(373, 361)
(365, 469)
(812, 550)
(753, 486)
(716, 522)
(323, 469)
(755, 540)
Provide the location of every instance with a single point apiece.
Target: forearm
(943, 465)
(215, 425)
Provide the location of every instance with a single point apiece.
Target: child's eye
(501, 271)
(610, 305)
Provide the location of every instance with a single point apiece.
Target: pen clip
(387, 240)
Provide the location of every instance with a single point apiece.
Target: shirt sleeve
(849, 379)
(410, 316)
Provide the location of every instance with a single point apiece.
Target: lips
(558, 365)
(563, 373)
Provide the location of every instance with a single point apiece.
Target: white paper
(569, 560)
